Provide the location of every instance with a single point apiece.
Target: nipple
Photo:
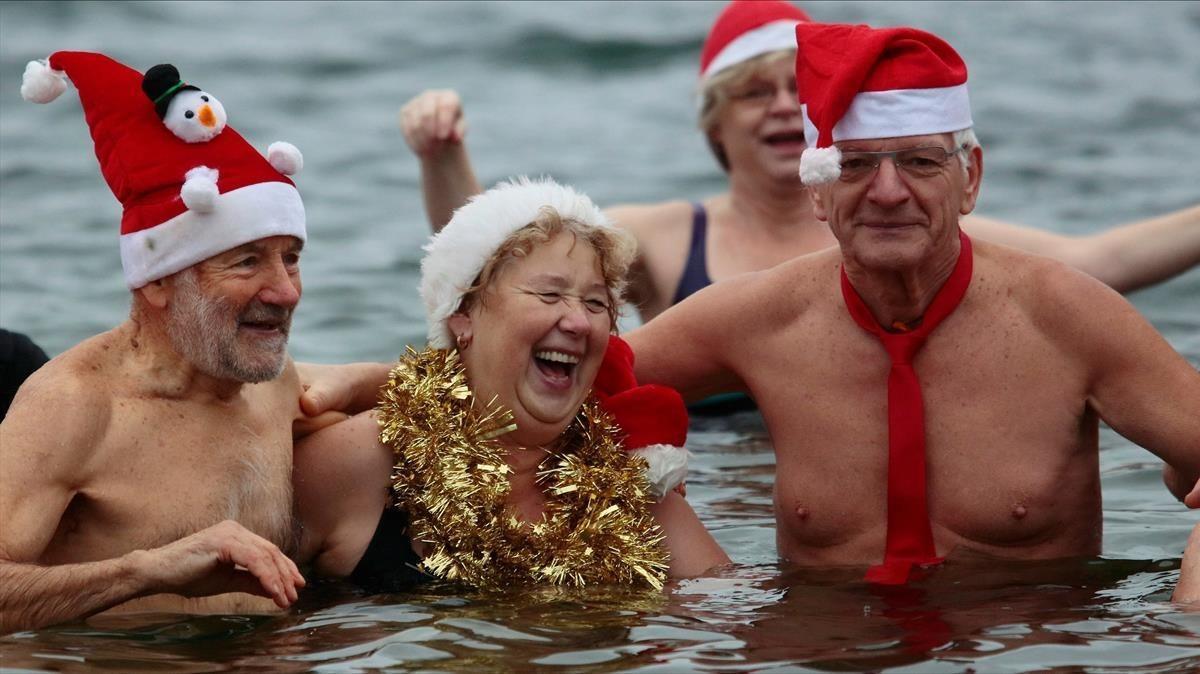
(1018, 512)
(801, 513)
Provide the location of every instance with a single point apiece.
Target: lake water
(1088, 113)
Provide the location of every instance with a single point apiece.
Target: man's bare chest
(1010, 443)
(162, 473)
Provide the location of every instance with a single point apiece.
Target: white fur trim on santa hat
(238, 217)
(455, 256)
(666, 467)
(899, 112)
(41, 83)
(199, 189)
(285, 158)
(768, 37)
(820, 165)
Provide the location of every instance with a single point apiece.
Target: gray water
(1089, 115)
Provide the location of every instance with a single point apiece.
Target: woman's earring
(462, 341)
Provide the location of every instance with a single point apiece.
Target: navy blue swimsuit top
(695, 270)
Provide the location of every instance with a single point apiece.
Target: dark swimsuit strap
(695, 271)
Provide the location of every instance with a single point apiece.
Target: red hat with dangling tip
(748, 28)
(191, 187)
(858, 82)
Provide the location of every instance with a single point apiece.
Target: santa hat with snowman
(191, 187)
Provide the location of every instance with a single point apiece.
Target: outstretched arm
(434, 127)
(334, 392)
(1126, 257)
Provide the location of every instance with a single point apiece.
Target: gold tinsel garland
(451, 479)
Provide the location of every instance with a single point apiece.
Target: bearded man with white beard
(149, 467)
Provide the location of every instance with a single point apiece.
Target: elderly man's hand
(225, 557)
(333, 392)
(432, 121)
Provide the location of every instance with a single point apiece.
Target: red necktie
(909, 535)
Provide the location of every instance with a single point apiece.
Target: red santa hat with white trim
(749, 28)
(653, 419)
(191, 187)
(858, 82)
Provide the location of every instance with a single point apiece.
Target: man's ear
(817, 194)
(158, 293)
(973, 181)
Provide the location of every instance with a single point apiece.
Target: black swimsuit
(390, 564)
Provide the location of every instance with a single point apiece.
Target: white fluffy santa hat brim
(237, 217)
(455, 256)
(773, 36)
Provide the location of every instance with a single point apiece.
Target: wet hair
(716, 92)
(614, 247)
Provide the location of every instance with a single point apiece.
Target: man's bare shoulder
(67, 404)
(1057, 297)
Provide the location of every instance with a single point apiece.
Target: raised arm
(435, 129)
(46, 442)
(1125, 257)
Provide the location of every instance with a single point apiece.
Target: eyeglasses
(917, 162)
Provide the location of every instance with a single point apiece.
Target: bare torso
(1011, 441)
(164, 466)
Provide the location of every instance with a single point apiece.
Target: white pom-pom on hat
(41, 83)
(199, 191)
(820, 165)
(285, 158)
(666, 469)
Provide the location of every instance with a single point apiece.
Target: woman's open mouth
(786, 140)
(556, 366)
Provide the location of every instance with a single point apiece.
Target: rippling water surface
(1088, 115)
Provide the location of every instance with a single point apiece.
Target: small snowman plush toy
(196, 116)
(192, 114)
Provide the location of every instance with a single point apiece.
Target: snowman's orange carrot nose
(207, 118)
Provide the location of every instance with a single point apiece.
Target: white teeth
(557, 357)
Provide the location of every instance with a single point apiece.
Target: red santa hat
(748, 28)
(859, 82)
(190, 186)
(653, 418)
